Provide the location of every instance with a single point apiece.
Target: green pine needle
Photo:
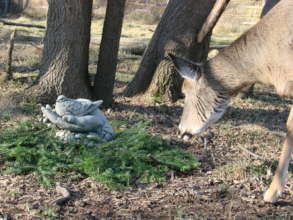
(132, 156)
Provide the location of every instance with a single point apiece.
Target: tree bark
(108, 56)
(64, 65)
(176, 34)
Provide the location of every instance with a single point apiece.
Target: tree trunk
(107, 62)
(64, 66)
(176, 34)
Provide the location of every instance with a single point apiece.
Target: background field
(230, 180)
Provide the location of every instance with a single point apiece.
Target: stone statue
(78, 118)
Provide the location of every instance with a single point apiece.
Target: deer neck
(225, 73)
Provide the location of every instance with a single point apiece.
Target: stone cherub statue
(78, 118)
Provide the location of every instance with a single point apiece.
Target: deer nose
(183, 134)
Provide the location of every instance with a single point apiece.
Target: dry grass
(238, 17)
(14, 105)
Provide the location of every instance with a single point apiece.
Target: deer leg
(279, 179)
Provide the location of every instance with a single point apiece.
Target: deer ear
(186, 68)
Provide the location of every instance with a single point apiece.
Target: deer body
(263, 54)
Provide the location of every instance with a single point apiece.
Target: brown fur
(264, 54)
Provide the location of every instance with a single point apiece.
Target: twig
(65, 195)
(22, 25)
(9, 57)
(250, 153)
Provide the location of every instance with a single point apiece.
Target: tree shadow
(283, 204)
(270, 119)
(265, 164)
(28, 39)
(26, 69)
(5, 36)
(20, 37)
(270, 98)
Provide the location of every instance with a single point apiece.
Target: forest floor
(229, 183)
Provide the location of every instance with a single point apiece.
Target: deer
(263, 54)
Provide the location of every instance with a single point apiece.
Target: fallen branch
(65, 195)
(9, 57)
(251, 153)
(22, 25)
